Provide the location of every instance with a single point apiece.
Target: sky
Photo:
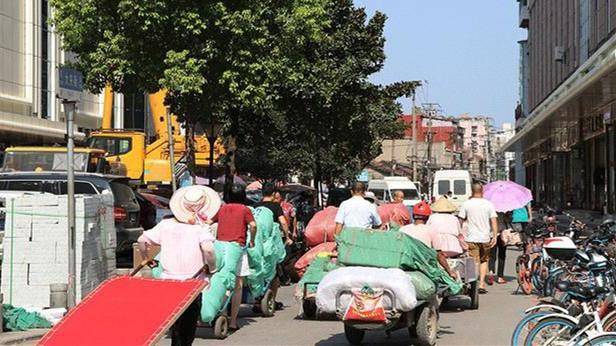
(466, 52)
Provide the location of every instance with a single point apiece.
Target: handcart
(120, 301)
(466, 269)
(421, 322)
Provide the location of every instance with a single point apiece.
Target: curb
(7, 339)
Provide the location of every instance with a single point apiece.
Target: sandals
(501, 281)
(482, 291)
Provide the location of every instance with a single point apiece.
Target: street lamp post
(69, 108)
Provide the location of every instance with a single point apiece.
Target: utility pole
(431, 113)
(69, 109)
(414, 133)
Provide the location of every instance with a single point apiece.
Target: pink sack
(304, 261)
(321, 227)
(395, 212)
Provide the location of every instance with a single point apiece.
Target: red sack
(321, 227)
(366, 306)
(395, 212)
(309, 256)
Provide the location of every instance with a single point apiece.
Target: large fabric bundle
(309, 256)
(394, 212)
(266, 254)
(228, 254)
(321, 227)
(424, 287)
(389, 249)
(317, 270)
(347, 278)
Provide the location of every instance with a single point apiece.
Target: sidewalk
(20, 338)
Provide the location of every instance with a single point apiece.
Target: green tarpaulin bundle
(424, 287)
(18, 319)
(391, 249)
(267, 252)
(213, 299)
(316, 271)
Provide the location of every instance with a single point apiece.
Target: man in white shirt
(482, 230)
(356, 211)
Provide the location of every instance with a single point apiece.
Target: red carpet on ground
(125, 311)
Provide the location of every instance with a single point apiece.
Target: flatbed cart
(220, 324)
(466, 269)
(421, 322)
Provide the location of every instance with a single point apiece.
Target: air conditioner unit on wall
(559, 54)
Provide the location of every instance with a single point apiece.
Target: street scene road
(308, 172)
(458, 326)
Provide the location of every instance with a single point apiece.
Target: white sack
(347, 278)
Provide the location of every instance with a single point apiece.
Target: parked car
(126, 210)
(160, 203)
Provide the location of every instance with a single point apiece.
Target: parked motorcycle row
(572, 268)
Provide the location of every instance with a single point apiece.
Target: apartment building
(564, 120)
(32, 63)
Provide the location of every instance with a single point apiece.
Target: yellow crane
(130, 154)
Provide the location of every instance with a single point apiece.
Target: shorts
(243, 269)
(479, 251)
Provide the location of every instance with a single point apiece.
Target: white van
(458, 182)
(383, 189)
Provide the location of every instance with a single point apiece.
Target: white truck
(384, 189)
(456, 184)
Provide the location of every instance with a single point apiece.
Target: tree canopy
(288, 80)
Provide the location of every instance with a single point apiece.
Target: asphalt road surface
(491, 324)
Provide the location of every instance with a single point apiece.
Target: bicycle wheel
(609, 322)
(525, 326)
(606, 339)
(523, 274)
(550, 331)
(538, 274)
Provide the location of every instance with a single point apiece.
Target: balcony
(524, 15)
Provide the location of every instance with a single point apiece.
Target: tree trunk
(190, 150)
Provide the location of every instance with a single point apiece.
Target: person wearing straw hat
(186, 247)
(447, 226)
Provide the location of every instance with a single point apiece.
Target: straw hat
(443, 205)
(190, 201)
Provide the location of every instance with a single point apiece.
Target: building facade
(477, 152)
(565, 133)
(31, 63)
(503, 159)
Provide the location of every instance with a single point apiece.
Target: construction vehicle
(51, 159)
(130, 154)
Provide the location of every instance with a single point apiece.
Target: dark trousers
(499, 251)
(184, 329)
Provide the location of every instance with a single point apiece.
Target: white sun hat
(189, 201)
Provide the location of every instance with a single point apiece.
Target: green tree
(287, 79)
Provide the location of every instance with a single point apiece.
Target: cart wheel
(473, 292)
(310, 309)
(221, 327)
(354, 336)
(268, 305)
(427, 326)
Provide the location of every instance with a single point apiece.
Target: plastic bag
(347, 278)
(16, 319)
(321, 227)
(266, 254)
(394, 212)
(366, 306)
(424, 287)
(214, 297)
(309, 256)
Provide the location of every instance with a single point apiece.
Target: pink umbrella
(507, 195)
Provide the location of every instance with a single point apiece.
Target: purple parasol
(507, 195)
